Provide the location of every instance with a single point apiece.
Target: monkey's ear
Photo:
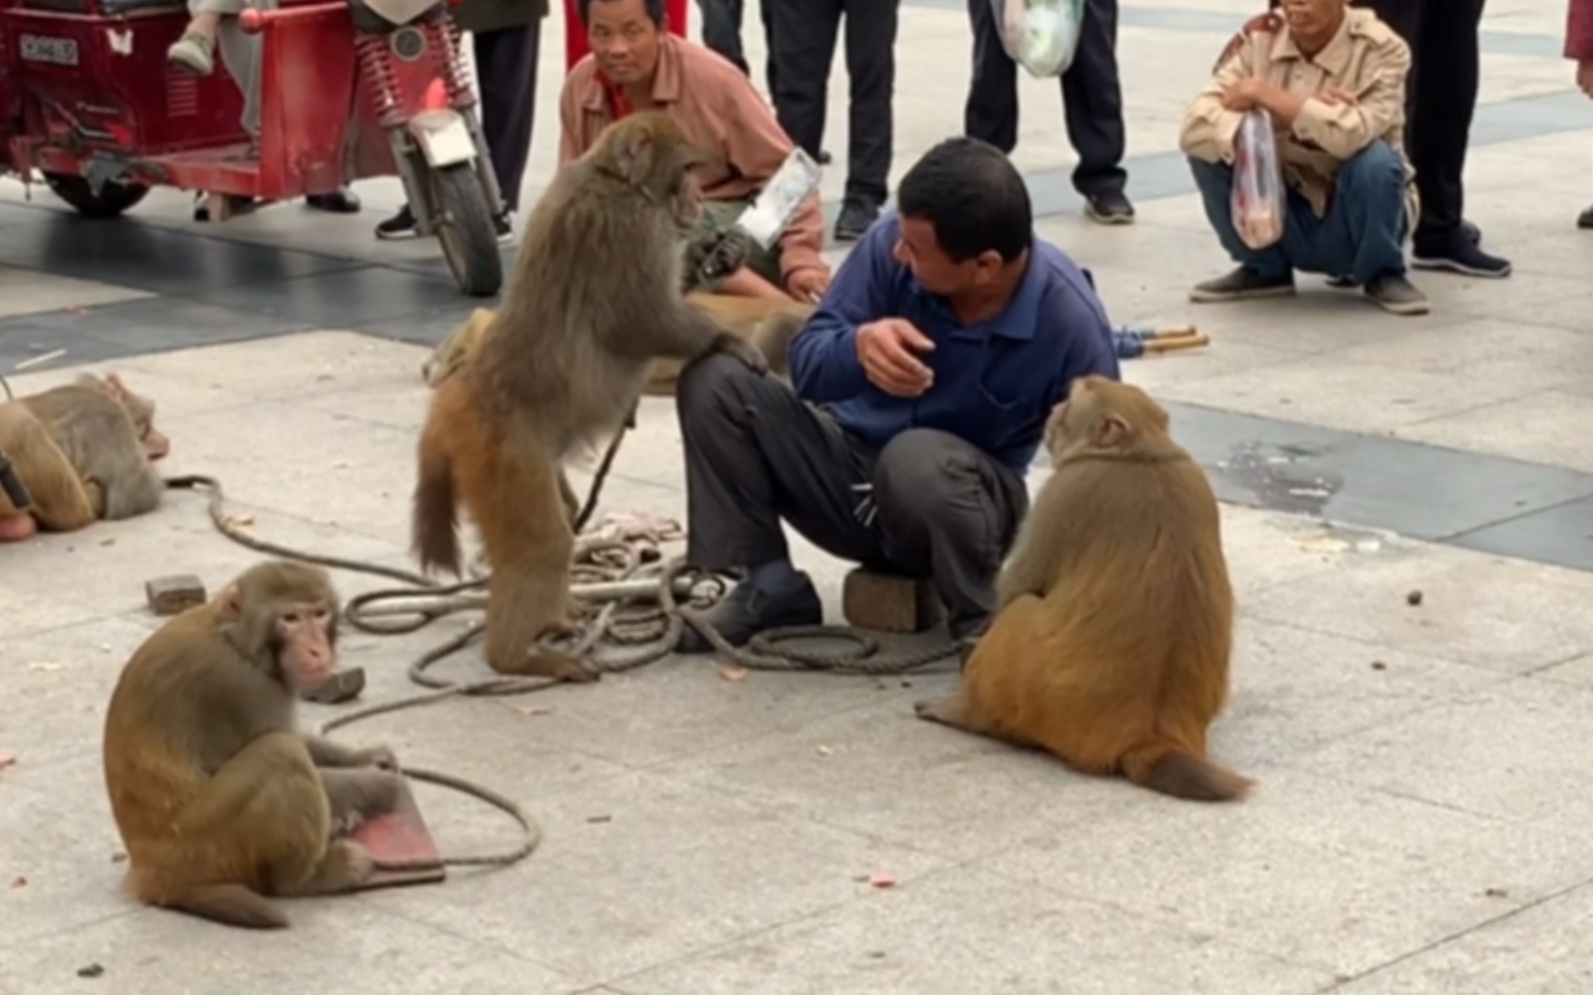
(229, 603)
(636, 152)
(1110, 432)
(114, 383)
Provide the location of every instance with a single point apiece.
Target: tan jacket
(716, 104)
(1366, 58)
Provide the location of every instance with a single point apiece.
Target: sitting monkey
(1114, 618)
(218, 797)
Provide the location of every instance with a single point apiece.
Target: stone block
(175, 594)
(889, 603)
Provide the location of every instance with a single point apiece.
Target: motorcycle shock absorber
(444, 37)
(377, 69)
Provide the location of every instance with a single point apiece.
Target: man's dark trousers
(506, 62)
(1092, 96)
(757, 454)
(804, 33)
(1441, 99)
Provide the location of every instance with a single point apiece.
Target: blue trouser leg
(1362, 235)
(1215, 180)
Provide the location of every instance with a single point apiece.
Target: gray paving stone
(1420, 812)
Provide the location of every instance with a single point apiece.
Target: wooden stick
(1195, 341)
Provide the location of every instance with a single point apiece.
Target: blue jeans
(1362, 236)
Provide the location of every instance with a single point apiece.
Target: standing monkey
(1114, 618)
(218, 797)
(594, 300)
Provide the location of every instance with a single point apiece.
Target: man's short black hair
(973, 196)
(655, 10)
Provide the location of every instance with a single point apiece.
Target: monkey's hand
(744, 351)
(380, 757)
(711, 259)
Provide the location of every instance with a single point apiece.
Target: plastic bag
(781, 198)
(1040, 35)
(1258, 206)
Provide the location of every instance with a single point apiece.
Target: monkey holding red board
(219, 798)
(1114, 614)
(595, 299)
(85, 452)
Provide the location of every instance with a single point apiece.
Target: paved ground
(1420, 824)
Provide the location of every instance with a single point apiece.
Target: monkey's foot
(550, 663)
(346, 866)
(15, 528)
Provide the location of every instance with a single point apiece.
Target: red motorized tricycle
(349, 89)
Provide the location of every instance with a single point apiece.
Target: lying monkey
(768, 324)
(1114, 618)
(85, 451)
(594, 301)
(218, 797)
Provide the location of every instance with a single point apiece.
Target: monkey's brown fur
(85, 451)
(767, 324)
(59, 502)
(594, 300)
(1114, 619)
(218, 798)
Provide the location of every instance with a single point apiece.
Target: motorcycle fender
(443, 137)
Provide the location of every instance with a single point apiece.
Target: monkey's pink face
(307, 657)
(156, 445)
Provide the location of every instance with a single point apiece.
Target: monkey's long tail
(1168, 768)
(435, 521)
(232, 904)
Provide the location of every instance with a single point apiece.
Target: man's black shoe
(747, 611)
(1458, 254)
(1110, 208)
(1585, 219)
(854, 220)
(341, 201)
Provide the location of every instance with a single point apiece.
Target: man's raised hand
(888, 351)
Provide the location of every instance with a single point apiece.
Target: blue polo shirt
(995, 382)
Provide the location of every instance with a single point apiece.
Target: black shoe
(343, 201)
(1396, 295)
(503, 227)
(1585, 219)
(400, 225)
(1242, 284)
(856, 216)
(747, 611)
(1472, 232)
(1457, 254)
(1112, 208)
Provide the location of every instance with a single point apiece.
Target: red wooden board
(401, 835)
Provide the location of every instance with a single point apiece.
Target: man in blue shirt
(922, 385)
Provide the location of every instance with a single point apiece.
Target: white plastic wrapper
(1040, 35)
(766, 219)
(1258, 205)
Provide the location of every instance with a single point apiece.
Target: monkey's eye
(292, 618)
